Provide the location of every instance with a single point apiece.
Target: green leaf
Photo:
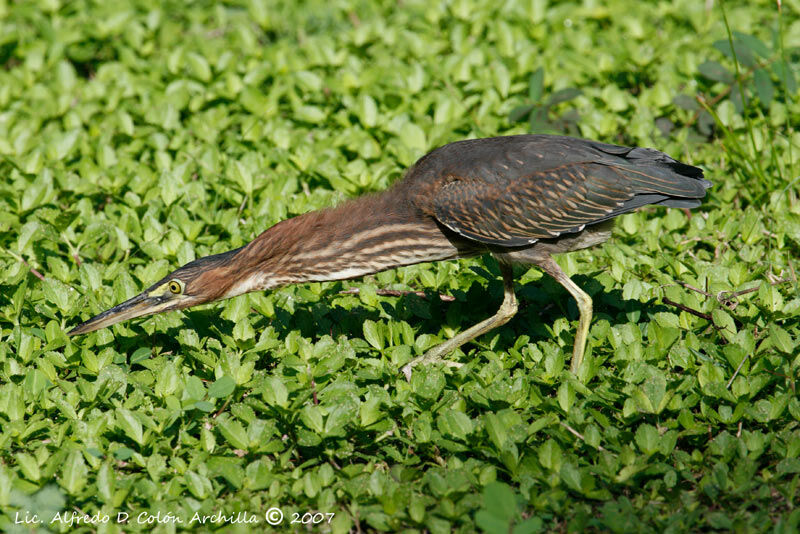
(529, 526)
(204, 406)
(571, 476)
(651, 396)
(669, 320)
(491, 523)
(788, 466)
(781, 339)
(753, 43)
(106, 481)
(124, 453)
(260, 12)
(275, 392)
(647, 439)
(495, 429)
(499, 504)
(764, 87)
(785, 74)
(686, 102)
(367, 111)
(370, 411)
(563, 95)
(198, 485)
(244, 176)
(310, 114)
(536, 85)
(233, 432)
(130, 425)
(743, 53)
(63, 144)
(454, 423)
(715, 72)
(519, 113)
(168, 381)
(412, 136)
(222, 387)
(724, 322)
(38, 192)
(198, 66)
(502, 78)
(770, 297)
(550, 455)
(338, 418)
(312, 417)
(372, 334)
(330, 364)
(57, 293)
(427, 382)
(140, 354)
(566, 396)
(28, 466)
(74, 473)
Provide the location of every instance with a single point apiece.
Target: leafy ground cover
(137, 135)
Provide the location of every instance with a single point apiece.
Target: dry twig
(397, 293)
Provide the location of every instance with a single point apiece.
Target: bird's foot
(429, 357)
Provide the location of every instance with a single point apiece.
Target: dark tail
(661, 180)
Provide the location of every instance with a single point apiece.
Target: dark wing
(513, 191)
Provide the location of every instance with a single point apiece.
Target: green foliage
(136, 136)
(537, 111)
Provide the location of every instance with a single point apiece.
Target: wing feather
(515, 192)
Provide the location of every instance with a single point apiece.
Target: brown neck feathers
(362, 236)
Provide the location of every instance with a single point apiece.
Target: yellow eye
(176, 286)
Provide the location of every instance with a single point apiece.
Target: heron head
(203, 280)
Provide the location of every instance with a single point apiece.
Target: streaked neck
(360, 237)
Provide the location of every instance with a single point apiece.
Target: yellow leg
(584, 301)
(503, 315)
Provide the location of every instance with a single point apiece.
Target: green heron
(521, 198)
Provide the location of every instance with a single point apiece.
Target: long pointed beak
(142, 304)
